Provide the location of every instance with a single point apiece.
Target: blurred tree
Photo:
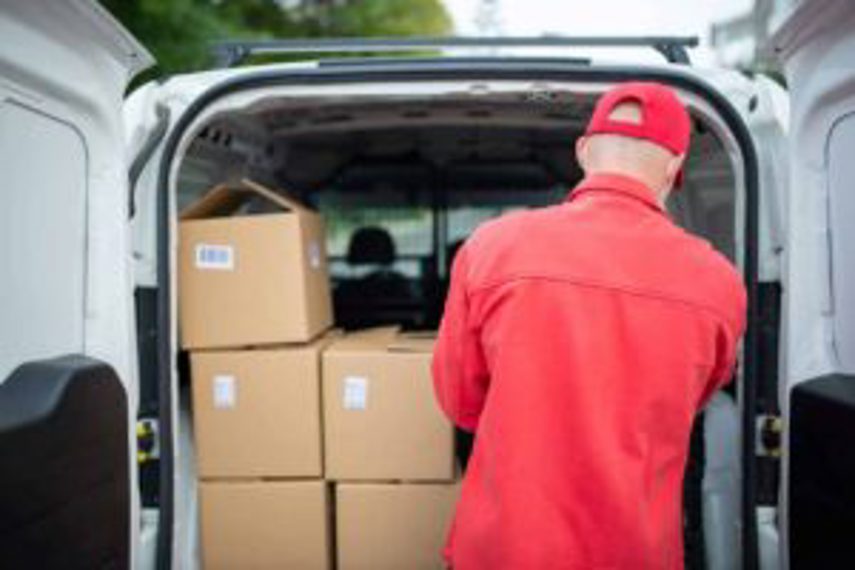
(176, 31)
(388, 18)
(179, 32)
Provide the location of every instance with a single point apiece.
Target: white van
(96, 456)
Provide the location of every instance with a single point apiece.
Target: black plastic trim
(405, 62)
(65, 493)
(769, 327)
(517, 69)
(821, 484)
(145, 302)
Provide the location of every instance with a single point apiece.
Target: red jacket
(578, 342)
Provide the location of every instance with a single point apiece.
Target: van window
(43, 246)
(380, 240)
(391, 248)
(405, 217)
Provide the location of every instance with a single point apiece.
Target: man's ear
(582, 152)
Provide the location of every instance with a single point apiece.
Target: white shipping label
(315, 254)
(211, 256)
(225, 392)
(355, 393)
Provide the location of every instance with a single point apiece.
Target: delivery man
(578, 342)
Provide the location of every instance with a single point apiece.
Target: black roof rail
(231, 53)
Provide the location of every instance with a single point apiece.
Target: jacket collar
(617, 184)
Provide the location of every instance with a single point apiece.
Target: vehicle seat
(382, 296)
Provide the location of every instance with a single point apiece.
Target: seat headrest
(371, 246)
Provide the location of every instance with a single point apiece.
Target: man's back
(579, 340)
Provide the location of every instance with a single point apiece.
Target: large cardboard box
(381, 420)
(265, 525)
(257, 413)
(251, 279)
(392, 526)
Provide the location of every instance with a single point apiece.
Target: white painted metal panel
(43, 243)
(841, 202)
(65, 261)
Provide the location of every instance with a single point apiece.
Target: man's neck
(661, 194)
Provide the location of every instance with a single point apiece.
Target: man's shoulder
(508, 227)
(716, 278)
(713, 260)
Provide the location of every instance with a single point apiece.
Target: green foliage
(389, 18)
(176, 31)
(180, 32)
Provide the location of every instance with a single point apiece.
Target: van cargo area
(426, 171)
(401, 179)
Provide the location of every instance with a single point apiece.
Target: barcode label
(355, 393)
(209, 256)
(314, 254)
(225, 392)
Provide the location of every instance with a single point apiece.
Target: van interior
(402, 181)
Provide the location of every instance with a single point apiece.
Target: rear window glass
(417, 231)
(406, 218)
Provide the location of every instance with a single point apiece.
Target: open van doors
(751, 128)
(68, 362)
(815, 42)
(67, 357)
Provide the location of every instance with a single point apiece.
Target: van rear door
(763, 105)
(67, 357)
(815, 43)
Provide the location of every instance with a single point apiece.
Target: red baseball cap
(664, 119)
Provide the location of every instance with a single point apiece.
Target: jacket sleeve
(460, 372)
(728, 343)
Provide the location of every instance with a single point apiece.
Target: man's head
(639, 130)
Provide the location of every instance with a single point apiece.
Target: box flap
(413, 342)
(388, 338)
(378, 338)
(225, 199)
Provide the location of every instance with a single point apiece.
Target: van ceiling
(509, 142)
(506, 140)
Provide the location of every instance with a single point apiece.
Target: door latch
(769, 435)
(148, 440)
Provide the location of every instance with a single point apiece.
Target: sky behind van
(604, 17)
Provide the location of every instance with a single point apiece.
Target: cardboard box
(257, 413)
(251, 279)
(381, 420)
(392, 526)
(265, 524)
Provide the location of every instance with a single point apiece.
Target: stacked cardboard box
(254, 303)
(249, 280)
(265, 524)
(390, 450)
(383, 526)
(281, 406)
